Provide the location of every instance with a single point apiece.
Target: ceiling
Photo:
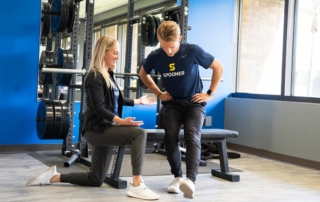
(101, 6)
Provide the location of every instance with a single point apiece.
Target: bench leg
(113, 178)
(223, 172)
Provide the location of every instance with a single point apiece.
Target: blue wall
(19, 40)
(212, 27)
(19, 55)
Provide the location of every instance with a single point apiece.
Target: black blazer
(100, 103)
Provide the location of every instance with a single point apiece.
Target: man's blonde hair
(97, 64)
(168, 31)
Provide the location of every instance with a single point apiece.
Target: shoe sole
(29, 183)
(131, 194)
(187, 192)
(173, 192)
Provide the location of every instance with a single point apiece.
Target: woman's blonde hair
(168, 31)
(97, 64)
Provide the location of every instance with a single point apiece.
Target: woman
(103, 126)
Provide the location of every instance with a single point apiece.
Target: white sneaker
(142, 192)
(44, 178)
(187, 187)
(174, 186)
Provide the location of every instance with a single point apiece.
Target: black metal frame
(67, 142)
(82, 145)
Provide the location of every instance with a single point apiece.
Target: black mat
(154, 164)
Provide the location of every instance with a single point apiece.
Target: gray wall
(288, 128)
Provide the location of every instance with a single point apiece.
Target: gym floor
(261, 180)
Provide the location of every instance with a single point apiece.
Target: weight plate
(64, 16)
(65, 119)
(45, 120)
(58, 60)
(42, 19)
(72, 15)
(156, 23)
(144, 33)
(176, 17)
(151, 29)
(61, 16)
(64, 59)
(55, 19)
(46, 58)
(68, 64)
(47, 24)
(57, 119)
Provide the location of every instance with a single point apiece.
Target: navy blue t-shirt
(180, 73)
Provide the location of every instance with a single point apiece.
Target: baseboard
(29, 148)
(274, 156)
(48, 147)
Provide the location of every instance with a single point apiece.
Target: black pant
(101, 146)
(176, 113)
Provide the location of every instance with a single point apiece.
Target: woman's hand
(130, 121)
(144, 100)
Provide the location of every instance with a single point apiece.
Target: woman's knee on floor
(95, 182)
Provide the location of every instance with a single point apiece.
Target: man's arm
(148, 81)
(217, 68)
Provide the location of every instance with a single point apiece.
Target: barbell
(60, 59)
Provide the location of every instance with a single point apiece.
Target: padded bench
(218, 136)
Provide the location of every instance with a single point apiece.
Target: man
(183, 101)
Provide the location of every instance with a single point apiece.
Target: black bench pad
(206, 134)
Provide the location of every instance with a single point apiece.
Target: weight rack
(82, 146)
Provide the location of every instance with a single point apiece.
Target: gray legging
(114, 135)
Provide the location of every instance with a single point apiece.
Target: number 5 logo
(172, 67)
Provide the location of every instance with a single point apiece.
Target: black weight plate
(62, 16)
(65, 15)
(45, 120)
(156, 22)
(177, 18)
(58, 60)
(144, 33)
(46, 58)
(57, 119)
(48, 21)
(42, 19)
(65, 119)
(67, 62)
(72, 15)
(151, 29)
(55, 19)
(64, 59)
